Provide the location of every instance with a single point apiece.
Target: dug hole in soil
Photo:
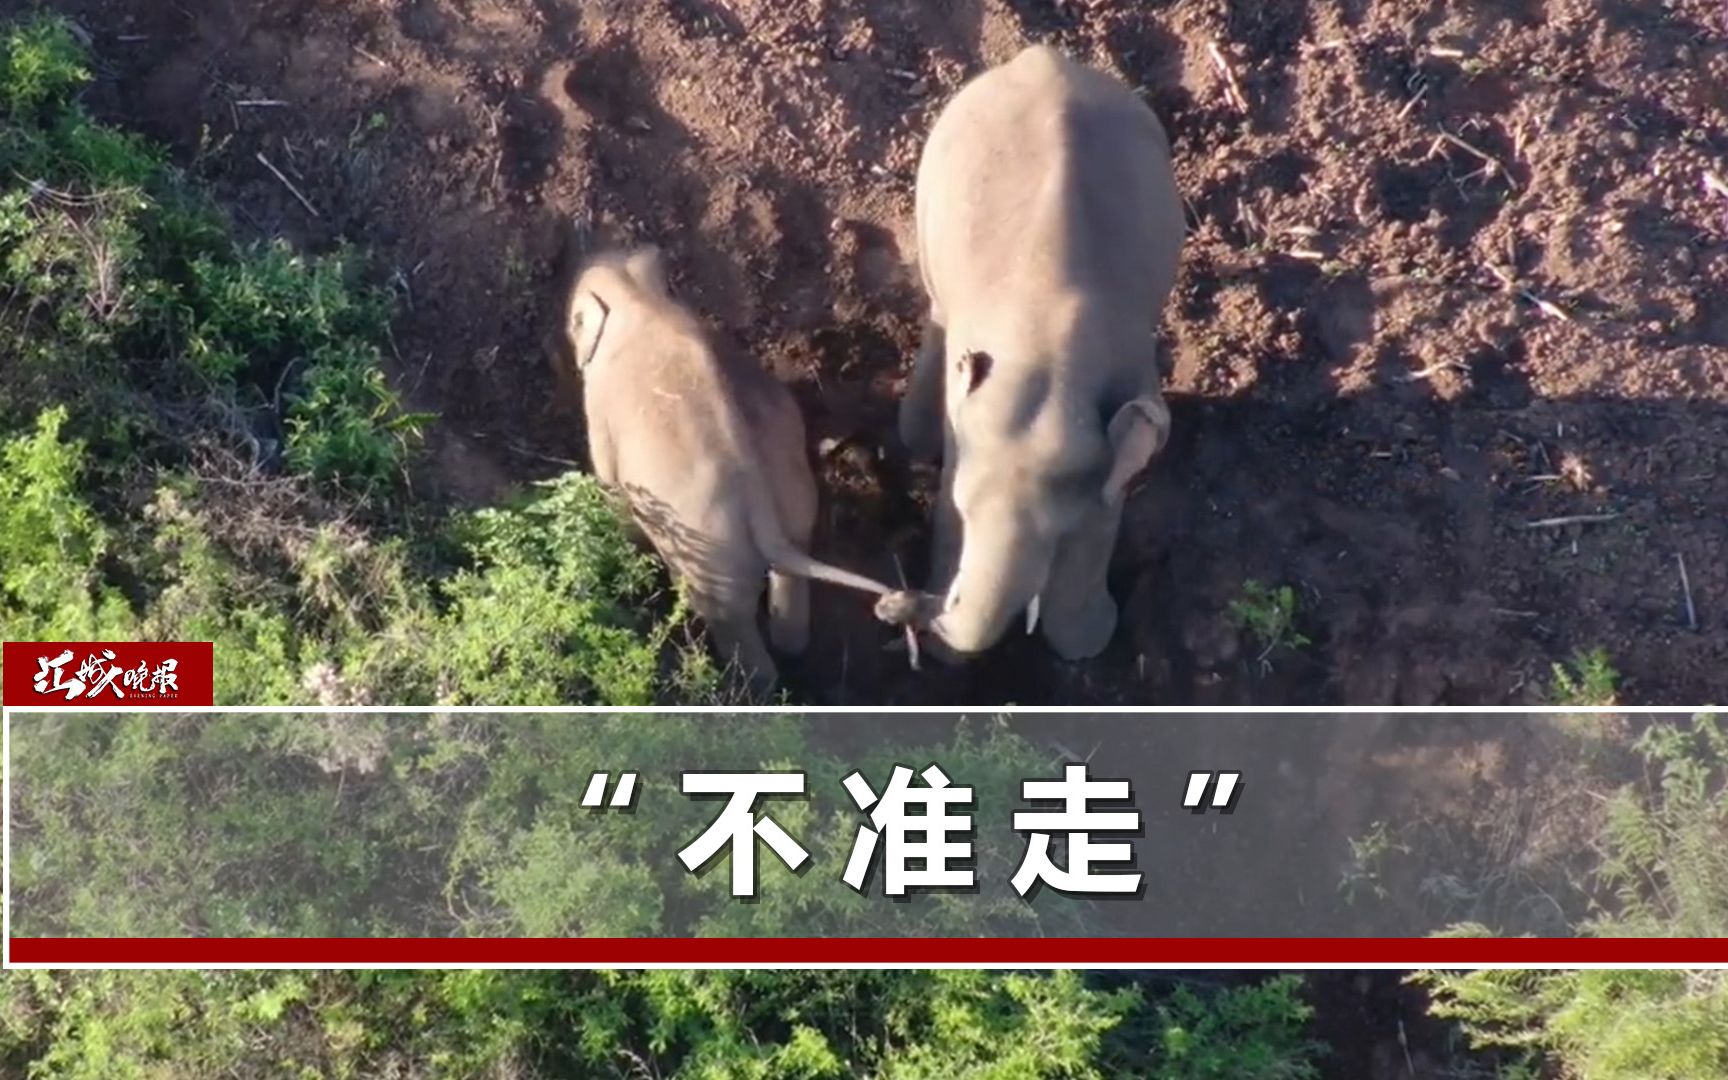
(1452, 272)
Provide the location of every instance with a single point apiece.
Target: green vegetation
(464, 824)
(1665, 856)
(676, 1025)
(1600, 1025)
(1269, 615)
(1665, 865)
(197, 441)
(1368, 853)
(1589, 679)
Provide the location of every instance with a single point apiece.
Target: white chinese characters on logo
(100, 673)
(739, 824)
(936, 850)
(1078, 820)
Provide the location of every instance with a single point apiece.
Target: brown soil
(1363, 409)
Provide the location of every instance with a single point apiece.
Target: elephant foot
(1084, 632)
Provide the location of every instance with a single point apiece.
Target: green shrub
(153, 312)
(1664, 861)
(1589, 679)
(1244, 1033)
(1596, 1025)
(51, 544)
(41, 63)
(677, 1025)
(156, 824)
(1666, 846)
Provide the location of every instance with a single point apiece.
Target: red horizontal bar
(883, 952)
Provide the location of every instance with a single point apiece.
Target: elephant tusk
(1032, 614)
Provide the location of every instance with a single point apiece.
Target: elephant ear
(1137, 432)
(587, 320)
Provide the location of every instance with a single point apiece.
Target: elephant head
(1037, 477)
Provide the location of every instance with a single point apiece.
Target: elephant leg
(921, 409)
(796, 503)
(1077, 613)
(789, 594)
(788, 612)
(739, 644)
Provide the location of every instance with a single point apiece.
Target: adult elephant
(1049, 232)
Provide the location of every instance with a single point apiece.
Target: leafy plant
(1254, 1032)
(1367, 854)
(41, 63)
(1599, 1024)
(1269, 615)
(1663, 857)
(1665, 845)
(1588, 679)
(130, 302)
(677, 1025)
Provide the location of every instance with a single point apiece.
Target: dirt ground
(1453, 270)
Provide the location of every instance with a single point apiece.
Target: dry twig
(292, 190)
(1573, 519)
(380, 61)
(1548, 309)
(1493, 164)
(1421, 92)
(1686, 588)
(1232, 88)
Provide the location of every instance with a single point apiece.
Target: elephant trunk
(996, 583)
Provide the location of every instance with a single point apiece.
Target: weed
(1588, 680)
(366, 128)
(1269, 615)
(1368, 854)
(41, 63)
(1663, 844)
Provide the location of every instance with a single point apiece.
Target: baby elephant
(708, 450)
(1049, 230)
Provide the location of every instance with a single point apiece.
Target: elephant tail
(784, 556)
